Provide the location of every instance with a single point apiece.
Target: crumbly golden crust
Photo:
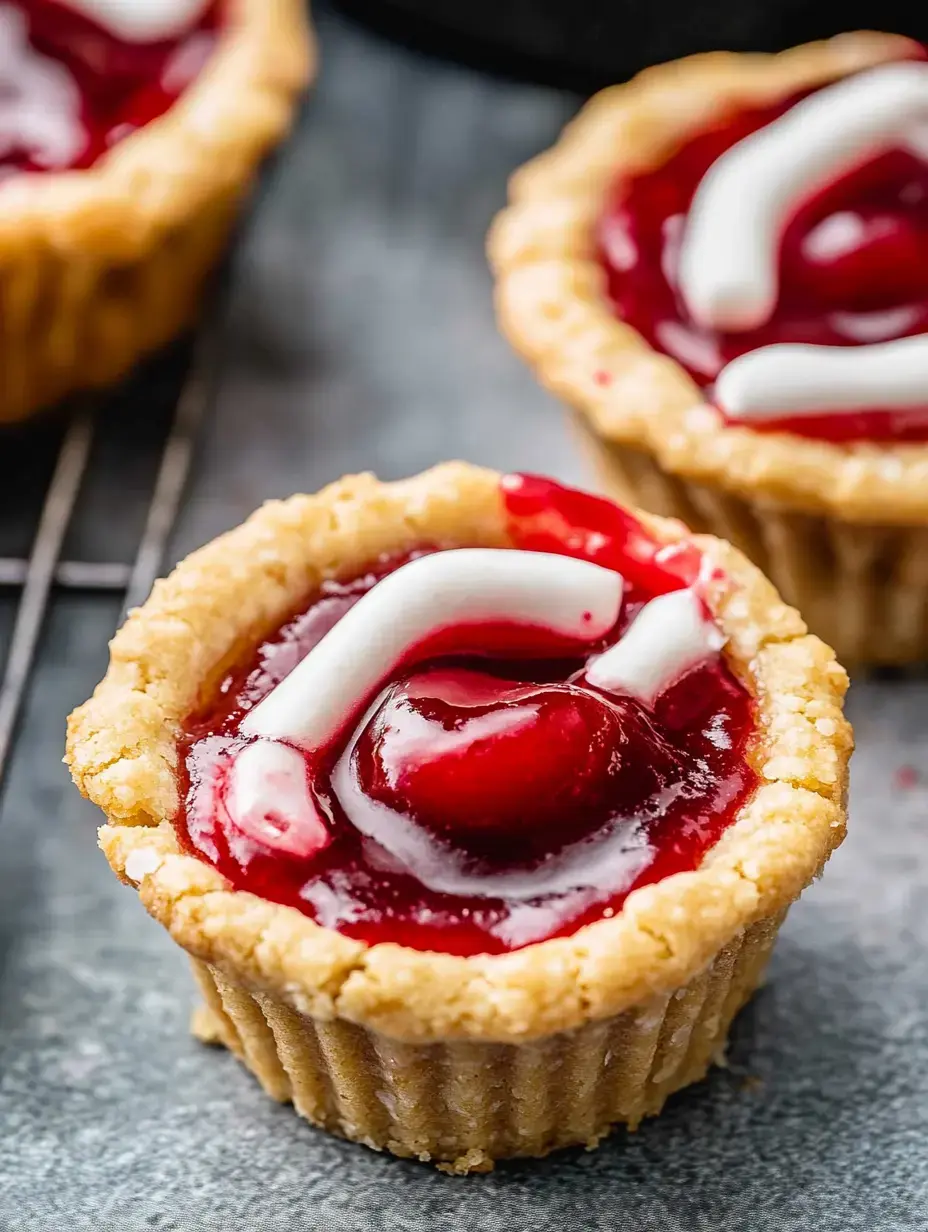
(102, 265)
(551, 301)
(121, 750)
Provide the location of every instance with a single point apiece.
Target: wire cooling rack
(37, 576)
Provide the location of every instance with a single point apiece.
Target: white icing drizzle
(798, 379)
(668, 637)
(878, 325)
(728, 261)
(142, 21)
(463, 587)
(269, 798)
(40, 104)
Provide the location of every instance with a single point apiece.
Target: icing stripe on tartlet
(142, 21)
(668, 637)
(270, 799)
(40, 109)
(729, 255)
(466, 587)
(791, 379)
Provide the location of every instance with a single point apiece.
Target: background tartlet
(99, 267)
(457, 1060)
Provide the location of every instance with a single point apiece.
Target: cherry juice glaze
(497, 769)
(853, 270)
(92, 88)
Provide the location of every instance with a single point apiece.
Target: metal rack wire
(44, 570)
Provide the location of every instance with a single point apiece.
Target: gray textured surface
(362, 336)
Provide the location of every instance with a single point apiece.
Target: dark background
(586, 44)
(359, 333)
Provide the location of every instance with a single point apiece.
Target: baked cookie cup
(613, 262)
(389, 1001)
(115, 209)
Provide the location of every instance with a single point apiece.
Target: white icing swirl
(40, 105)
(669, 636)
(728, 267)
(269, 799)
(798, 380)
(142, 21)
(461, 589)
(729, 255)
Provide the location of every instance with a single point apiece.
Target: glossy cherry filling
(479, 804)
(853, 270)
(70, 89)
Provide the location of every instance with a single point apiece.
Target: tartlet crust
(122, 754)
(79, 250)
(552, 305)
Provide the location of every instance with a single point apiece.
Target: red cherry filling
(546, 517)
(469, 755)
(70, 89)
(853, 270)
(479, 805)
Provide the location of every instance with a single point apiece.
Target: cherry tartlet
(441, 780)
(130, 130)
(721, 268)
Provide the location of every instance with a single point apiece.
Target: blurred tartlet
(518, 897)
(131, 134)
(720, 267)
